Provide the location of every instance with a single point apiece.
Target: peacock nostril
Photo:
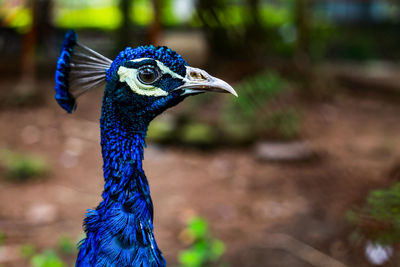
(197, 76)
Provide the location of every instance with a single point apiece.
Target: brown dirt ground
(246, 201)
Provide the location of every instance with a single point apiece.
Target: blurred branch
(301, 250)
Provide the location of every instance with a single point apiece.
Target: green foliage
(275, 15)
(19, 167)
(161, 130)
(259, 111)
(88, 14)
(258, 91)
(190, 133)
(321, 35)
(142, 12)
(204, 250)
(198, 134)
(358, 48)
(47, 259)
(89, 18)
(17, 17)
(2, 238)
(66, 245)
(27, 251)
(284, 123)
(379, 219)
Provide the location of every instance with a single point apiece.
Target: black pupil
(147, 75)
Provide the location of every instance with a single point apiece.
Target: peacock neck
(120, 230)
(123, 142)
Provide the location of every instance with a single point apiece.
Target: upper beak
(198, 81)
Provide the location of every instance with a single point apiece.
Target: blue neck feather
(119, 232)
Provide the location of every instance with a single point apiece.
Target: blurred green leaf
(17, 17)
(190, 258)
(379, 219)
(142, 12)
(22, 167)
(204, 249)
(27, 250)
(275, 15)
(198, 133)
(198, 227)
(66, 245)
(47, 259)
(89, 18)
(217, 249)
(161, 130)
(260, 110)
(2, 238)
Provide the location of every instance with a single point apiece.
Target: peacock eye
(148, 75)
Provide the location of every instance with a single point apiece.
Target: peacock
(140, 84)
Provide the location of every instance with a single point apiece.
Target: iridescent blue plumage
(120, 230)
(63, 97)
(141, 83)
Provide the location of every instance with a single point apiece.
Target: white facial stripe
(129, 76)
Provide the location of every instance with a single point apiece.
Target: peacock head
(142, 81)
(150, 79)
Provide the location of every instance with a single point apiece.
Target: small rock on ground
(284, 151)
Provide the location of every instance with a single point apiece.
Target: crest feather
(79, 69)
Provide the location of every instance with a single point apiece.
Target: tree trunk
(302, 64)
(26, 83)
(254, 6)
(302, 18)
(43, 24)
(154, 34)
(123, 34)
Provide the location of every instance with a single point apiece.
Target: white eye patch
(130, 76)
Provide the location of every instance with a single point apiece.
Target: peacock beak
(199, 81)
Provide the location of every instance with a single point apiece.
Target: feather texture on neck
(119, 232)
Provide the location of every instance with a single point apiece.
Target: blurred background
(302, 169)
